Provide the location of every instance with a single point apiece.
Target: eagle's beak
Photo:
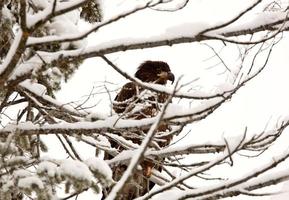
(171, 77)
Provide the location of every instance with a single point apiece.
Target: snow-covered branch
(43, 43)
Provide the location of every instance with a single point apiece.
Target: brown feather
(125, 96)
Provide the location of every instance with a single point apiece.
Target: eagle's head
(155, 71)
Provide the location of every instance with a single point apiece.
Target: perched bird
(157, 72)
(135, 102)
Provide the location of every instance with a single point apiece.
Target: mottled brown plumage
(135, 102)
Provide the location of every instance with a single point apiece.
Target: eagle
(136, 102)
(156, 72)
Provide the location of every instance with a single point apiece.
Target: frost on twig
(42, 46)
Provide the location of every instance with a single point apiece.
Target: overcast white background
(266, 98)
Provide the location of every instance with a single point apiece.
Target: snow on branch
(54, 9)
(42, 46)
(254, 173)
(69, 38)
(119, 44)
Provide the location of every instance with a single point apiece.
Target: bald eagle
(135, 102)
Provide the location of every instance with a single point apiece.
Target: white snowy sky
(263, 99)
